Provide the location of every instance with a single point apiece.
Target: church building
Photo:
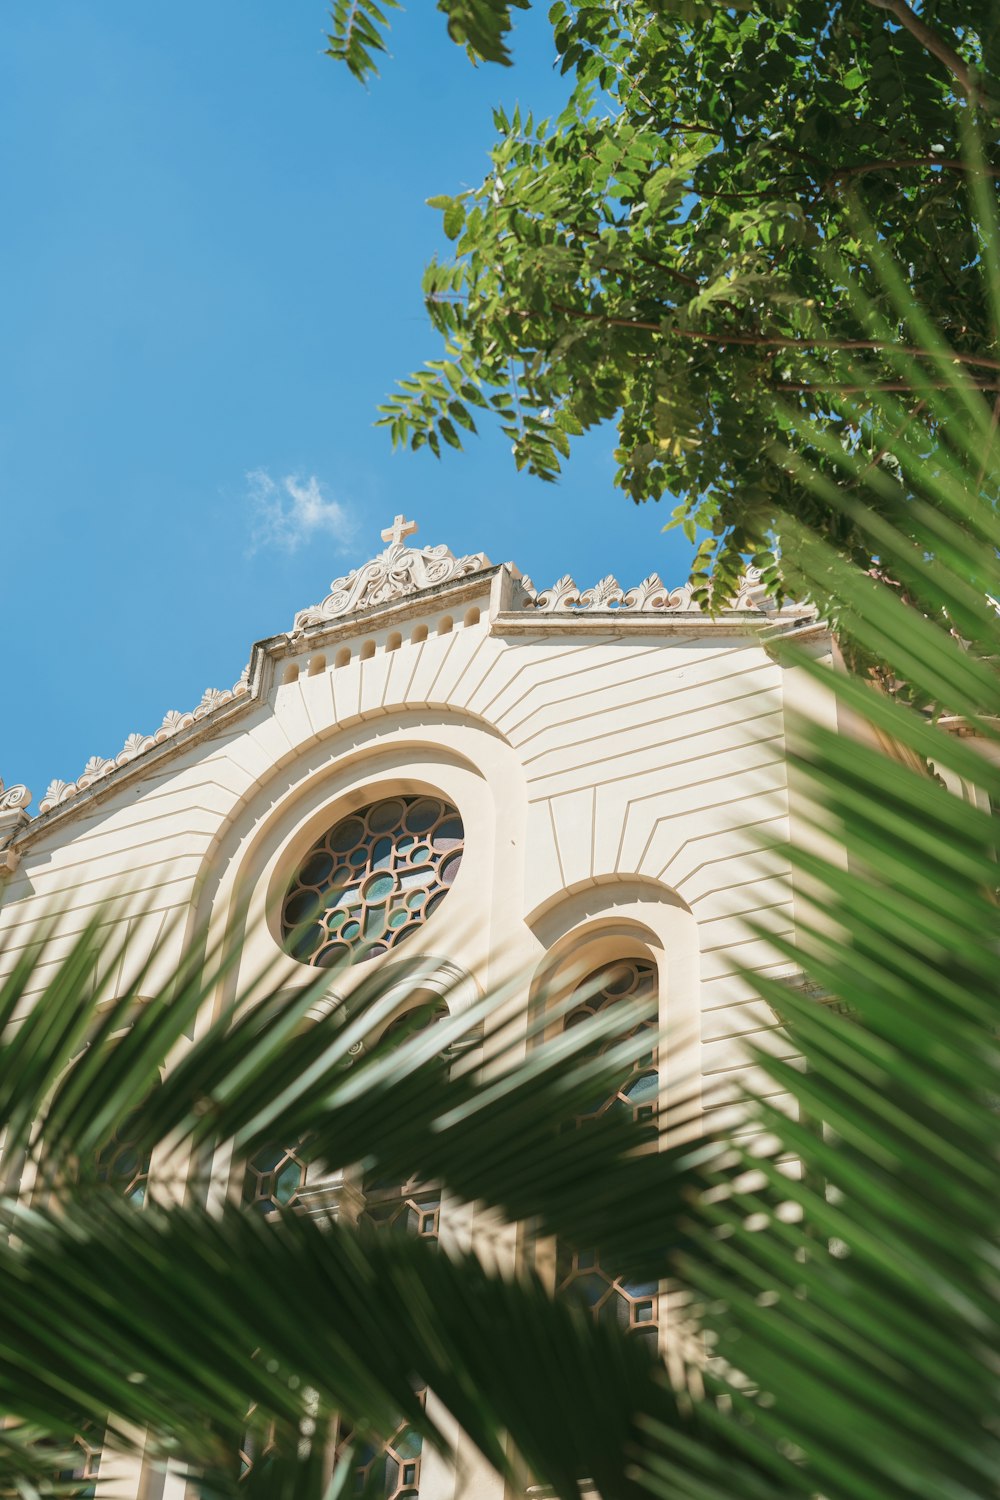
(441, 761)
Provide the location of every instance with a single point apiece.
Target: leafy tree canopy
(673, 251)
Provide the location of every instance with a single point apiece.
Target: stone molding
(401, 573)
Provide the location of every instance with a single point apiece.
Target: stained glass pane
(389, 864)
(631, 1305)
(390, 1469)
(317, 869)
(393, 1207)
(275, 1176)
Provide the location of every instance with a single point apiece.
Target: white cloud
(287, 512)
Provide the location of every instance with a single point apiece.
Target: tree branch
(907, 161)
(832, 386)
(937, 47)
(772, 341)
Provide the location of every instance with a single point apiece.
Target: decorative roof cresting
(136, 744)
(652, 593)
(397, 573)
(393, 574)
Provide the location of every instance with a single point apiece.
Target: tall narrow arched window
(630, 1304)
(390, 1469)
(123, 1167)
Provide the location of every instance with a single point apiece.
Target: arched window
(409, 1207)
(631, 980)
(390, 1470)
(276, 1178)
(630, 1304)
(124, 1168)
(372, 880)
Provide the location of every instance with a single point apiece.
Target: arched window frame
(574, 962)
(399, 1455)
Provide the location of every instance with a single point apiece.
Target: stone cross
(395, 533)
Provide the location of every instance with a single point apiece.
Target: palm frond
(843, 1273)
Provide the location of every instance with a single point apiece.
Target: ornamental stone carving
(135, 745)
(13, 798)
(652, 593)
(394, 574)
(397, 573)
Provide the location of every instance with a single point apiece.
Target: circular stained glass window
(374, 878)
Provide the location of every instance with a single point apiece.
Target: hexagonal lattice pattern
(629, 979)
(415, 1210)
(390, 1469)
(275, 1178)
(372, 880)
(632, 1305)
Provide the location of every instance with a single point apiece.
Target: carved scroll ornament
(13, 798)
(396, 573)
(652, 593)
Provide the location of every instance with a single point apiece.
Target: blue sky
(210, 265)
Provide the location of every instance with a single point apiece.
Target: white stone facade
(616, 757)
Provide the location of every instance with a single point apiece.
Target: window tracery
(406, 1208)
(390, 1469)
(88, 1441)
(626, 980)
(275, 1178)
(372, 880)
(630, 1304)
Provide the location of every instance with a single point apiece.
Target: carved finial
(399, 529)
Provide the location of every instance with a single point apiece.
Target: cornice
(217, 709)
(399, 583)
